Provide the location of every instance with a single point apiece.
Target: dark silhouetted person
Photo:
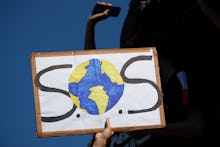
(184, 36)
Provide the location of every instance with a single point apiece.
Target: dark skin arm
(90, 28)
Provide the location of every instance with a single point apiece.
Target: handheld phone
(114, 11)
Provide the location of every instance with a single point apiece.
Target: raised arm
(90, 27)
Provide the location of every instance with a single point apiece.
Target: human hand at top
(94, 18)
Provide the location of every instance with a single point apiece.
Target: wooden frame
(125, 87)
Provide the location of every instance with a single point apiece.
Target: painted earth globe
(95, 86)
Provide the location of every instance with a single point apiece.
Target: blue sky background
(28, 26)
